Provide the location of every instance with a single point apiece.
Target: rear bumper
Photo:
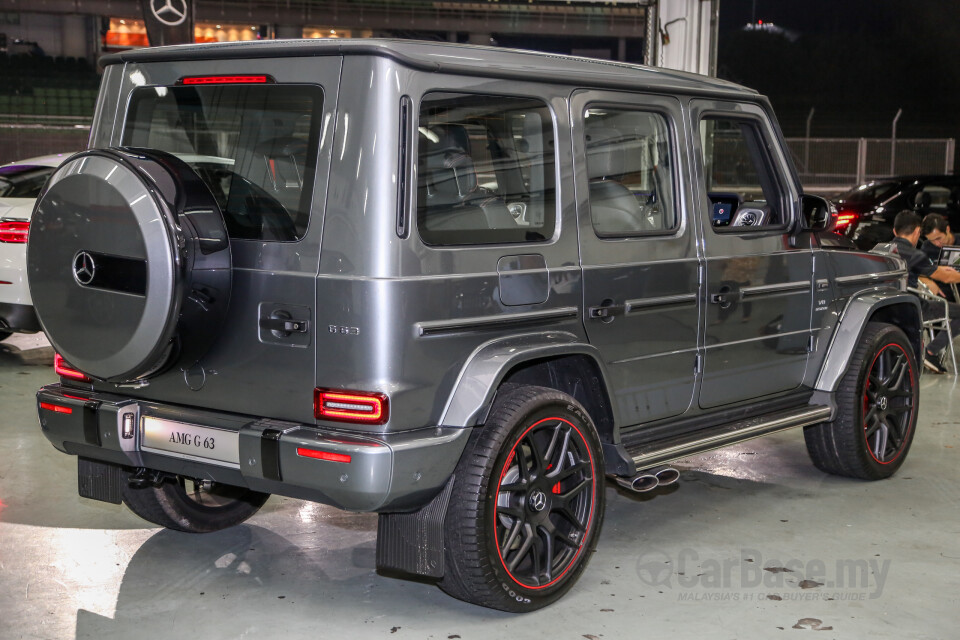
(389, 472)
(19, 317)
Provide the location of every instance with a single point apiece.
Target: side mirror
(818, 214)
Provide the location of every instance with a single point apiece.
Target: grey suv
(456, 286)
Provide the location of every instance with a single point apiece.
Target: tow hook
(143, 478)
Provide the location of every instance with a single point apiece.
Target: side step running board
(652, 454)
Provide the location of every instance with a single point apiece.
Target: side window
(255, 147)
(485, 170)
(741, 183)
(630, 169)
(934, 197)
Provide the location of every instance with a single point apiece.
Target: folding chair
(931, 325)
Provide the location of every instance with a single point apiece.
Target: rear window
(485, 170)
(255, 146)
(630, 167)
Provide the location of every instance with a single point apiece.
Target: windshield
(23, 181)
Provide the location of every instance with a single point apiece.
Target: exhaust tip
(640, 484)
(645, 482)
(667, 476)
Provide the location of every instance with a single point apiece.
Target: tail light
(844, 220)
(64, 370)
(350, 406)
(14, 231)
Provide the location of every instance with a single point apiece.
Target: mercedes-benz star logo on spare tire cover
(84, 268)
(148, 278)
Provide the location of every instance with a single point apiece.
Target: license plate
(182, 440)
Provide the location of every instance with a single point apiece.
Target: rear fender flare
(485, 369)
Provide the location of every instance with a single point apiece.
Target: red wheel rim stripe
(586, 531)
(863, 411)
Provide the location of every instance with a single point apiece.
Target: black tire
(204, 508)
(553, 506)
(877, 404)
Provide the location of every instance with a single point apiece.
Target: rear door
(254, 132)
(639, 256)
(758, 287)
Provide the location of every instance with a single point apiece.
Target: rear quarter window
(255, 147)
(485, 170)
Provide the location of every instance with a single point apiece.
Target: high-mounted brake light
(330, 456)
(235, 79)
(350, 406)
(14, 231)
(63, 369)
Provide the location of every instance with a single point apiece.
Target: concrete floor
(692, 561)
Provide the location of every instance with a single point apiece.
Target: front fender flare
(860, 308)
(489, 364)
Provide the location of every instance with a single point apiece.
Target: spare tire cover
(128, 263)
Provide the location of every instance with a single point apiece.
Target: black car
(866, 212)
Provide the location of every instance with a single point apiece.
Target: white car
(20, 184)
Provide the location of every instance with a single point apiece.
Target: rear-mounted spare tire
(128, 263)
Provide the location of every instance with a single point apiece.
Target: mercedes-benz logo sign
(169, 12)
(84, 268)
(538, 500)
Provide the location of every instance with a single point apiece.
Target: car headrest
(452, 136)
(451, 176)
(606, 157)
(922, 200)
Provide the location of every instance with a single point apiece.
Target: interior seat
(453, 183)
(613, 208)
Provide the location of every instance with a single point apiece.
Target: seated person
(906, 229)
(936, 232)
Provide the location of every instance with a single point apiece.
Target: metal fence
(24, 137)
(835, 164)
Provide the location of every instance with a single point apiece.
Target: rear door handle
(284, 325)
(606, 311)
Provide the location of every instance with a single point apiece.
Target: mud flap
(98, 480)
(412, 543)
